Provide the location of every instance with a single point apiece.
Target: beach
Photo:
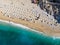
(16, 34)
(28, 14)
(24, 22)
(38, 27)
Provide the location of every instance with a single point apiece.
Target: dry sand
(39, 27)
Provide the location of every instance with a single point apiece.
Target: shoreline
(25, 27)
(20, 25)
(38, 27)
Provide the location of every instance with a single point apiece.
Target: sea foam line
(20, 25)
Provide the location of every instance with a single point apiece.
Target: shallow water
(14, 35)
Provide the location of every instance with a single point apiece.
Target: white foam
(20, 25)
(14, 23)
(57, 37)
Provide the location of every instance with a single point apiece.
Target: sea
(17, 34)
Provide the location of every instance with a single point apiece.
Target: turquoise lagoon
(14, 35)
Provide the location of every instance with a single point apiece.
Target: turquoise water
(14, 35)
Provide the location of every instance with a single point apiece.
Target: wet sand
(37, 26)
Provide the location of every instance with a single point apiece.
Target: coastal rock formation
(26, 10)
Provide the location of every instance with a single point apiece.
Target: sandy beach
(39, 27)
(28, 14)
